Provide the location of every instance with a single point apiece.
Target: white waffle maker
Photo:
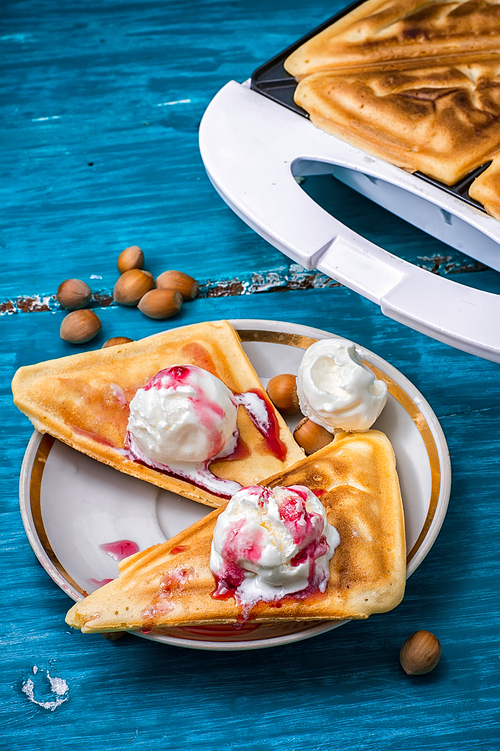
(254, 148)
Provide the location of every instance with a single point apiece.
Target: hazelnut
(420, 653)
(161, 303)
(311, 436)
(186, 285)
(130, 258)
(115, 340)
(80, 326)
(282, 391)
(131, 286)
(73, 294)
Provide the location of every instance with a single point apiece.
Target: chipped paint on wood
(37, 303)
(444, 265)
(25, 304)
(293, 277)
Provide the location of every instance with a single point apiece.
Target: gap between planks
(286, 278)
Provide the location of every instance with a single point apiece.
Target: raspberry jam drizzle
(307, 530)
(178, 549)
(264, 419)
(239, 544)
(302, 525)
(200, 475)
(170, 587)
(240, 451)
(120, 549)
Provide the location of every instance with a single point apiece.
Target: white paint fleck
(95, 276)
(175, 101)
(59, 689)
(39, 119)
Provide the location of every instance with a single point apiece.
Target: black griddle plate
(272, 81)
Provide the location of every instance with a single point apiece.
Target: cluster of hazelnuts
(157, 298)
(282, 391)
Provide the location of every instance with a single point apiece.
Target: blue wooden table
(100, 112)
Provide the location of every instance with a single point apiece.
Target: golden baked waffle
(171, 583)
(400, 33)
(442, 121)
(486, 188)
(414, 82)
(83, 400)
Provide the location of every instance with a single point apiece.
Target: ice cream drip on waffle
(184, 419)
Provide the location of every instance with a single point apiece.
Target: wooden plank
(101, 112)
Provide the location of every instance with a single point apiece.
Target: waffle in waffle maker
(255, 142)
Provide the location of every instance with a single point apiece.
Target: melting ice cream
(272, 543)
(184, 414)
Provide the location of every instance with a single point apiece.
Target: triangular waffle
(442, 121)
(486, 188)
(394, 34)
(171, 583)
(83, 401)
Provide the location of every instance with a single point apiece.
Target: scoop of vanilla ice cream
(336, 390)
(269, 543)
(183, 414)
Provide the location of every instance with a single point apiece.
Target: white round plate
(74, 509)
